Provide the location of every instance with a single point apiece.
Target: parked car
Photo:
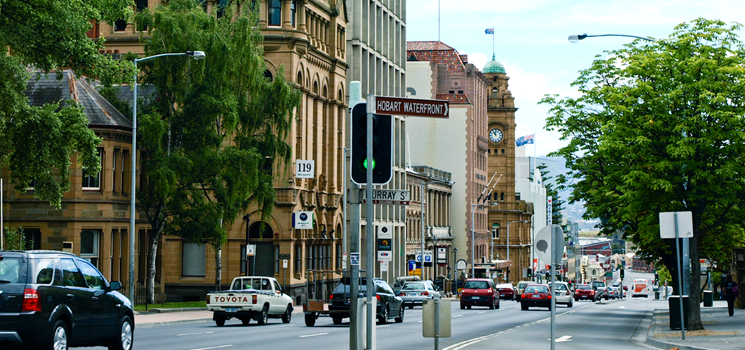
(414, 293)
(401, 280)
(585, 292)
(250, 298)
(506, 291)
(536, 295)
(53, 299)
(564, 294)
(389, 305)
(614, 292)
(519, 289)
(479, 292)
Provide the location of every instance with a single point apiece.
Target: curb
(660, 344)
(169, 323)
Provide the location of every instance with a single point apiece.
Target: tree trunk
(218, 266)
(152, 268)
(694, 306)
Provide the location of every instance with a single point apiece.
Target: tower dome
(493, 67)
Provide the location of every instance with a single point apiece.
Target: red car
(506, 291)
(585, 292)
(479, 292)
(536, 295)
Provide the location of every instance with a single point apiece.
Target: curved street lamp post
(197, 55)
(577, 37)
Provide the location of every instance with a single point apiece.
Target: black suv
(389, 305)
(54, 300)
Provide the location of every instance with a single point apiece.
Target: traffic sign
(411, 107)
(305, 169)
(396, 197)
(251, 250)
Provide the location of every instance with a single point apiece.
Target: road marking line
(312, 335)
(563, 339)
(482, 312)
(383, 326)
(214, 347)
(178, 335)
(457, 316)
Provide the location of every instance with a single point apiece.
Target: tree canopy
(659, 127)
(218, 127)
(38, 142)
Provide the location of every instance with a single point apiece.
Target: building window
(120, 25)
(243, 260)
(275, 12)
(276, 258)
(293, 11)
(92, 181)
(89, 241)
(194, 259)
(495, 230)
(338, 257)
(298, 257)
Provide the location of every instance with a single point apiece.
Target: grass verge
(172, 305)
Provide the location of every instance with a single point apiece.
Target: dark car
(388, 305)
(536, 295)
(52, 300)
(585, 292)
(479, 292)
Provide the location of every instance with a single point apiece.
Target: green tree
(659, 128)
(218, 127)
(38, 142)
(16, 240)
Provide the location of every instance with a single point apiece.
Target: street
(587, 325)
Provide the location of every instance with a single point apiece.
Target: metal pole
(553, 291)
(437, 324)
(680, 277)
(132, 192)
(421, 270)
(355, 340)
(473, 234)
(369, 230)
(248, 222)
(508, 247)
(344, 211)
(2, 223)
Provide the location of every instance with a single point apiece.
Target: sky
(531, 40)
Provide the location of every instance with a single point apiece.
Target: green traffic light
(365, 163)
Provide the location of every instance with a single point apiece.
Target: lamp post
(423, 186)
(508, 244)
(473, 238)
(197, 55)
(577, 37)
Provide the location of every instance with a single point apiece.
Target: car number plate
(231, 309)
(536, 295)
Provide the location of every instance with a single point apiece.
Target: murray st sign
(411, 107)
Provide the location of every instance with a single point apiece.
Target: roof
(43, 88)
(454, 98)
(493, 67)
(438, 52)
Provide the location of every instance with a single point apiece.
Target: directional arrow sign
(411, 107)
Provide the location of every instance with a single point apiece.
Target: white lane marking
(456, 315)
(622, 307)
(312, 335)
(179, 335)
(383, 326)
(214, 347)
(482, 312)
(419, 321)
(564, 338)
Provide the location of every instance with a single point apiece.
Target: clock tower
(509, 217)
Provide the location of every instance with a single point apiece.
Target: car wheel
(498, 301)
(462, 306)
(336, 319)
(126, 335)
(264, 316)
(469, 307)
(411, 306)
(310, 319)
(245, 321)
(491, 305)
(384, 311)
(59, 340)
(400, 317)
(571, 303)
(523, 306)
(220, 322)
(287, 316)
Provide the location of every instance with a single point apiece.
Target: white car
(250, 298)
(564, 295)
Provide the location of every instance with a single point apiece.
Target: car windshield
(536, 289)
(476, 285)
(504, 286)
(584, 287)
(561, 287)
(414, 286)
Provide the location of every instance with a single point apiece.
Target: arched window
(268, 76)
(501, 196)
(299, 78)
(275, 12)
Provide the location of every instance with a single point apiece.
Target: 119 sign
(305, 169)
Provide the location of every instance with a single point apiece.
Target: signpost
(677, 224)
(396, 197)
(411, 107)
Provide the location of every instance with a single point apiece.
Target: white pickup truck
(250, 297)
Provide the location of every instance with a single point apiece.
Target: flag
(524, 140)
(489, 30)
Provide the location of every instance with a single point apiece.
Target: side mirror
(116, 285)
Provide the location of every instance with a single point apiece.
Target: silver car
(414, 293)
(564, 294)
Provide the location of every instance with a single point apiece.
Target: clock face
(495, 135)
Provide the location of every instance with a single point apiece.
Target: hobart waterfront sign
(411, 107)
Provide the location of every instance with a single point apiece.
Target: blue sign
(412, 265)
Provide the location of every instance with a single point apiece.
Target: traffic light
(656, 278)
(530, 273)
(382, 146)
(621, 273)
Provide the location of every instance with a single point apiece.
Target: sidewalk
(159, 317)
(721, 332)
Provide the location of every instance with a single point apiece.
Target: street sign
(667, 224)
(383, 266)
(284, 256)
(396, 197)
(354, 259)
(442, 256)
(428, 258)
(385, 255)
(461, 264)
(251, 250)
(284, 263)
(411, 107)
(305, 169)
(302, 220)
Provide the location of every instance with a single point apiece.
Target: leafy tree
(16, 240)
(659, 128)
(38, 142)
(218, 126)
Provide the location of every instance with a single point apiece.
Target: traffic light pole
(369, 231)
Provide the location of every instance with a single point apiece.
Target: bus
(641, 288)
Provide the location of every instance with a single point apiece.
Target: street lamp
(508, 244)
(197, 55)
(577, 37)
(423, 185)
(473, 237)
